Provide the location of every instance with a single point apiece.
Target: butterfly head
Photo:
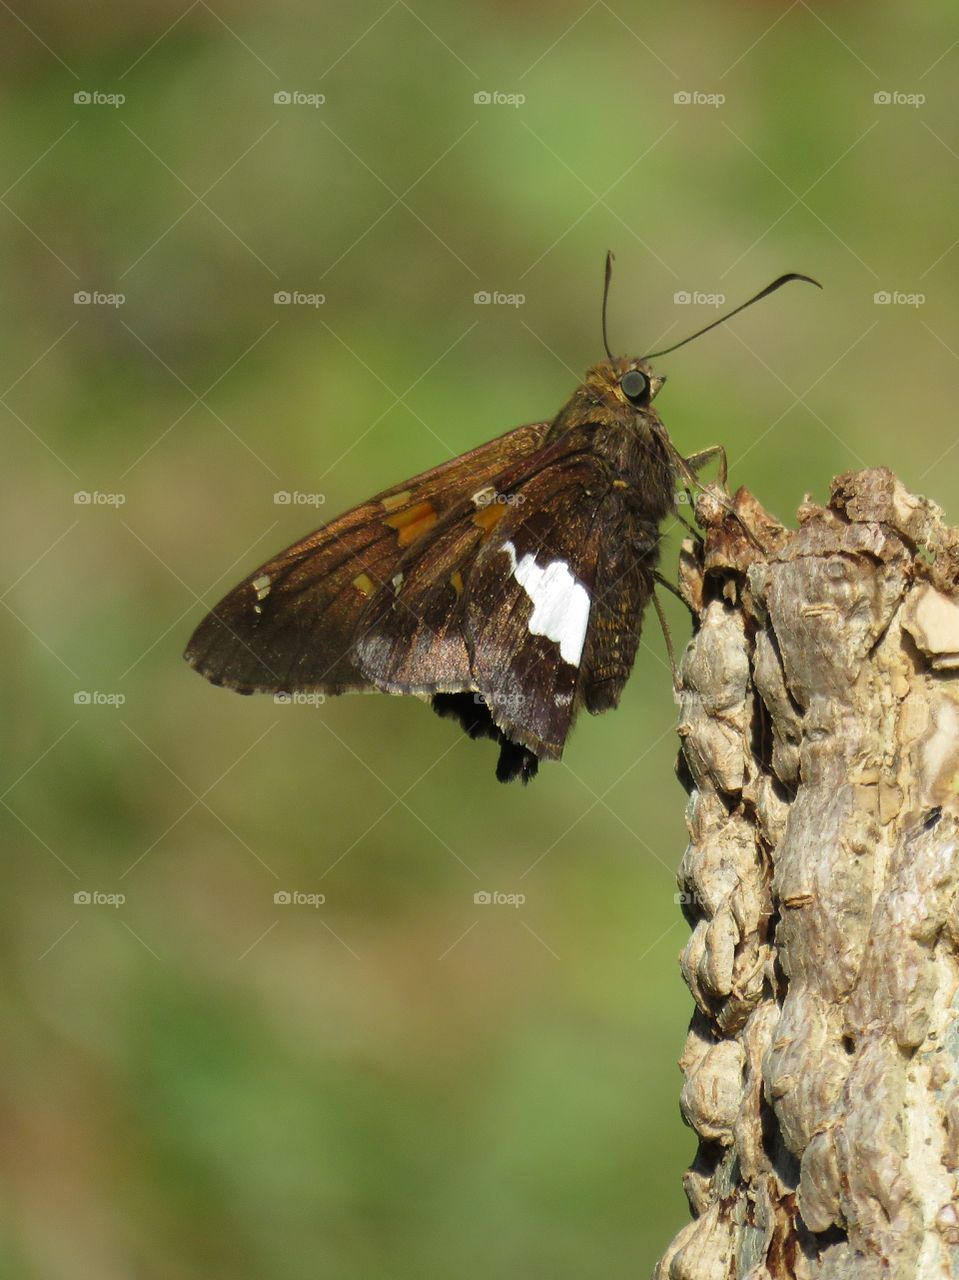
(625, 383)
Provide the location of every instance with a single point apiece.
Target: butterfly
(506, 586)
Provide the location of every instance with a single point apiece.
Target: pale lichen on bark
(819, 713)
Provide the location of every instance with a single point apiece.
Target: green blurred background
(201, 1083)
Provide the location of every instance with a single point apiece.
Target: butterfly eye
(635, 386)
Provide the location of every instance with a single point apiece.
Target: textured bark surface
(820, 727)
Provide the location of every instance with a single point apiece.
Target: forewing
(290, 624)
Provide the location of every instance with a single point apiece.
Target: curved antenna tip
(794, 275)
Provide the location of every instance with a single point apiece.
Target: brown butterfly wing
(290, 625)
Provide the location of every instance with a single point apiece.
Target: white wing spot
(483, 497)
(261, 586)
(560, 602)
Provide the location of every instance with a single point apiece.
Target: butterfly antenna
(763, 293)
(609, 276)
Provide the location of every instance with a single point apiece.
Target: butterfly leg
(690, 527)
(688, 467)
(683, 468)
(666, 634)
(665, 582)
(696, 461)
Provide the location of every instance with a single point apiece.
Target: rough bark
(820, 726)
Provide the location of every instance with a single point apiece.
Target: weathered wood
(820, 729)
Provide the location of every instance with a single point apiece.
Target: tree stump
(820, 728)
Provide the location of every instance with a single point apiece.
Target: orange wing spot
(488, 517)
(412, 515)
(413, 522)
(396, 500)
(456, 582)
(412, 531)
(364, 584)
